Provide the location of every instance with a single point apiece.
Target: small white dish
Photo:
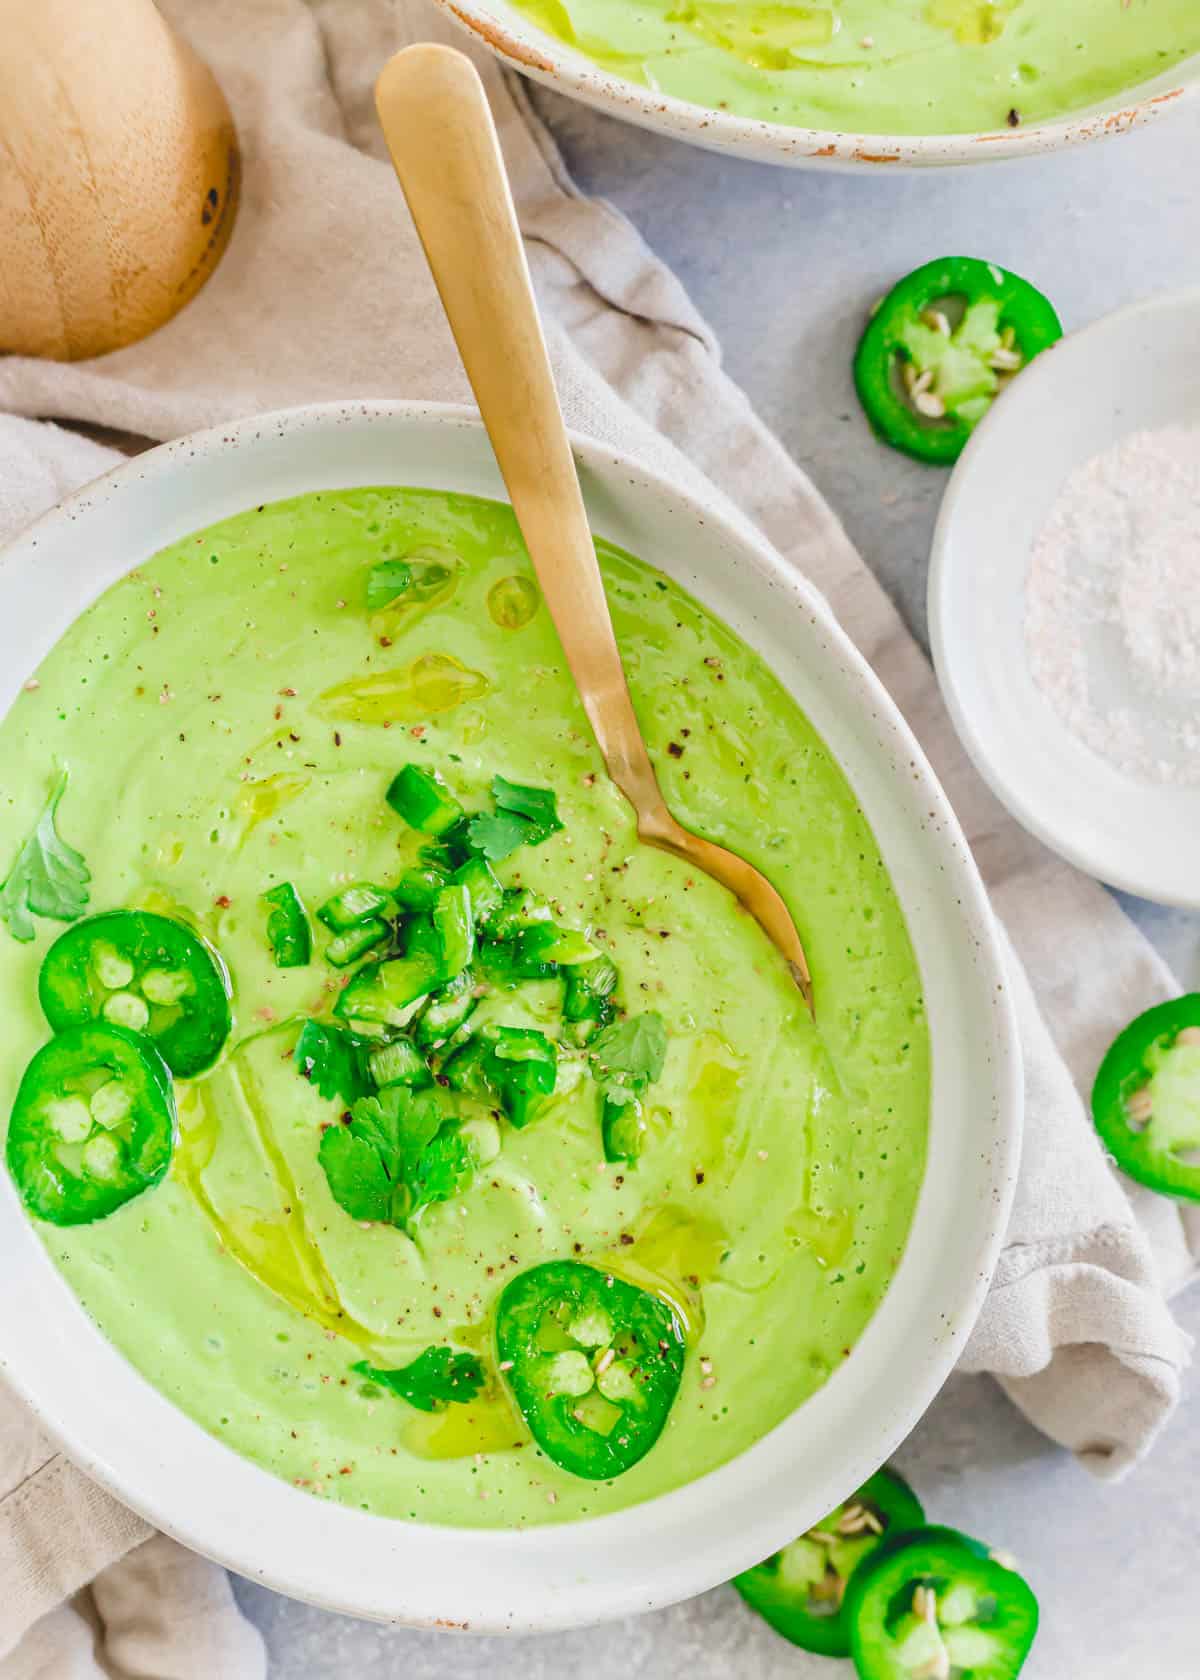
(1136, 370)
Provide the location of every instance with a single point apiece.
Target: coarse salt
(1112, 605)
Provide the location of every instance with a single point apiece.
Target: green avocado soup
(232, 714)
(885, 67)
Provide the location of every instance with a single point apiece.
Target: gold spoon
(439, 129)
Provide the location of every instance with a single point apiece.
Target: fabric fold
(1075, 1326)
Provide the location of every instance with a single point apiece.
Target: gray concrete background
(783, 265)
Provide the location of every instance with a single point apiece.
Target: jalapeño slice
(1146, 1099)
(93, 1124)
(926, 378)
(147, 973)
(800, 1591)
(934, 1602)
(594, 1364)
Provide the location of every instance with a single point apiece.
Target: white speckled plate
(1136, 370)
(150, 1454)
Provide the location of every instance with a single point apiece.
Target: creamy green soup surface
(882, 66)
(231, 714)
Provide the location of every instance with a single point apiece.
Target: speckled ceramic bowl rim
(120, 1430)
(519, 43)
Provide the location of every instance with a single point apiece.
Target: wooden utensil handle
(439, 129)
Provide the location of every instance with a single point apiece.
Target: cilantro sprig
(48, 878)
(397, 1153)
(437, 1378)
(524, 816)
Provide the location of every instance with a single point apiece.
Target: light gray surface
(784, 265)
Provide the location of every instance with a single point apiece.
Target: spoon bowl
(439, 129)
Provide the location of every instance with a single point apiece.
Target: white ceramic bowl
(121, 1430)
(1134, 370)
(505, 30)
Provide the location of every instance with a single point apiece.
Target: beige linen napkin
(323, 294)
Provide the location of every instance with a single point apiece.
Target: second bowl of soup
(858, 83)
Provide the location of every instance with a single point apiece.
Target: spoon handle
(439, 130)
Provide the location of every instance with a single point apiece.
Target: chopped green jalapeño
(1146, 1099)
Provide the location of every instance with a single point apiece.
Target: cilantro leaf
(397, 1125)
(387, 580)
(333, 1061)
(537, 805)
(48, 878)
(635, 1048)
(443, 1170)
(495, 837)
(435, 1379)
(398, 1153)
(524, 816)
(357, 1178)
